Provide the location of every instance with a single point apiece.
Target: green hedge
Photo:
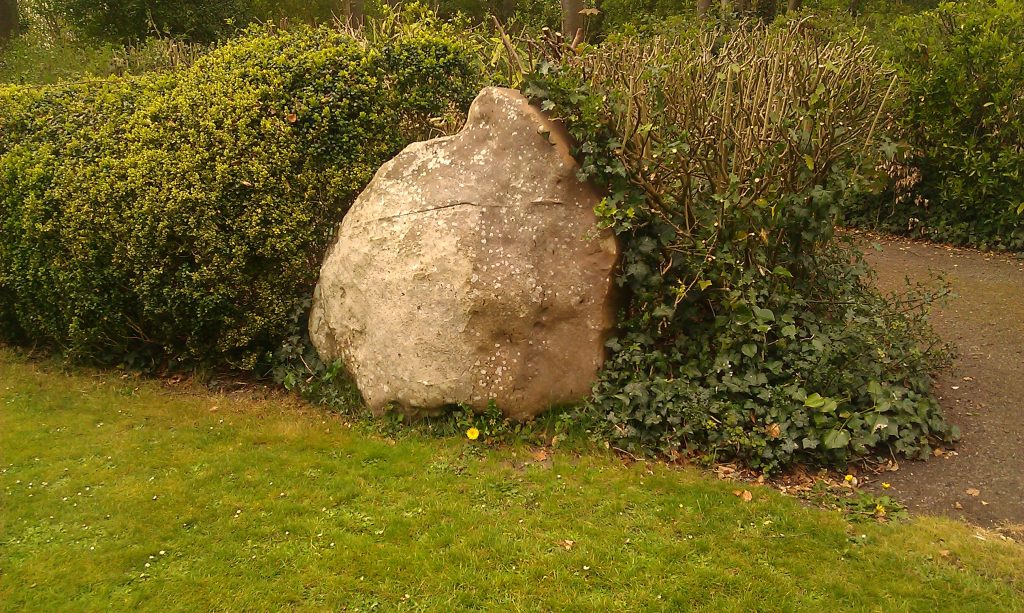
(963, 119)
(181, 218)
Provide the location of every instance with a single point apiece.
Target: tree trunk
(8, 19)
(350, 12)
(703, 7)
(507, 9)
(355, 13)
(793, 5)
(572, 19)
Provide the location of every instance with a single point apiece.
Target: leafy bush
(749, 331)
(182, 217)
(964, 121)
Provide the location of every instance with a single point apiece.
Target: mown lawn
(117, 494)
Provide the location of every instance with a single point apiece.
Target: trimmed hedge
(182, 218)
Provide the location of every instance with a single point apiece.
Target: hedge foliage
(182, 217)
(749, 331)
(962, 178)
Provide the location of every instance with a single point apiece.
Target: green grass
(117, 494)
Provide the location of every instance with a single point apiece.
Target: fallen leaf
(745, 495)
(774, 431)
(957, 505)
(567, 544)
(540, 455)
(937, 452)
(973, 491)
(944, 553)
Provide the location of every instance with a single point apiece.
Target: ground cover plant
(179, 219)
(119, 493)
(750, 331)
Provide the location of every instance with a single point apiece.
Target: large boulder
(472, 270)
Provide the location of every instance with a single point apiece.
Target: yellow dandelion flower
(472, 434)
(880, 511)
(886, 486)
(849, 478)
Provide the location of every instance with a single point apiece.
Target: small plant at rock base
(489, 426)
(297, 366)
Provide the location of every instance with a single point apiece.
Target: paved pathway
(984, 391)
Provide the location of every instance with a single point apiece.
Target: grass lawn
(117, 494)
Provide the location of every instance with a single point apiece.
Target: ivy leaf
(814, 401)
(877, 422)
(749, 350)
(664, 311)
(836, 439)
(875, 388)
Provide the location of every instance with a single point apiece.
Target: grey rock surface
(471, 270)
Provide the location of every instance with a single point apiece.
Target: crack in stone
(441, 207)
(452, 205)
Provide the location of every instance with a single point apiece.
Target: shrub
(749, 331)
(963, 119)
(182, 217)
